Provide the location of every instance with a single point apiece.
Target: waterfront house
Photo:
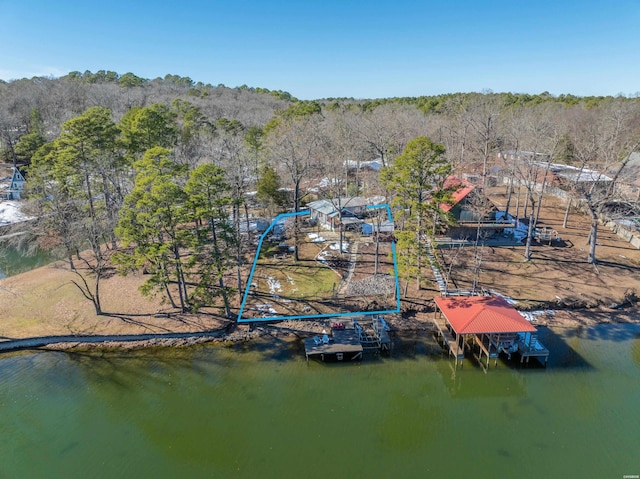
(329, 213)
(473, 212)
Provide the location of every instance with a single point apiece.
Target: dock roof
(482, 315)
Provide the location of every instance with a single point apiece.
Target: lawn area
(282, 286)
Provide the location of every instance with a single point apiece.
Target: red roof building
(489, 324)
(482, 315)
(463, 188)
(473, 212)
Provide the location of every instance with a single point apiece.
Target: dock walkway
(534, 349)
(449, 341)
(343, 345)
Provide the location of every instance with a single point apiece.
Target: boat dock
(348, 340)
(449, 341)
(486, 326)
(486, 347)
(532, 348)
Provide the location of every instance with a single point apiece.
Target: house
(556, 178)
(16, 186)
(328, 213)
(473, 212)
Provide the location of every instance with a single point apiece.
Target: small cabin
(16, 187)
(329, 213)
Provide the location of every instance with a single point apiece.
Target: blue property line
(275, 221)
(316, 316)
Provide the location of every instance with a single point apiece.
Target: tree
(294, 146)
(213, 236)
(28, 144)
(385, 130)
(602, 139)
(144, 128)
(533, 138)
(268, 189)
(56, 228)
(151, 226)
(76, 190)
(417, 177)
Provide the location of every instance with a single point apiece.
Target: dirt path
(353, 259)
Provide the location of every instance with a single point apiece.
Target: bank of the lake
(257, 409)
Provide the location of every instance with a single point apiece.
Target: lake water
(14, 261)
(260, 411)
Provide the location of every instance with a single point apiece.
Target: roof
(331, 206)
(482, 315)
(463, 189)
(322, 206)
(17, 176)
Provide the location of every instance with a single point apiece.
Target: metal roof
(322, 206)
(463, 189)
(482, 315)
(331, 206)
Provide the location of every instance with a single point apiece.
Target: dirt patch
(558, 271)
(44, 302)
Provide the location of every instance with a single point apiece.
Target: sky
(335, 48)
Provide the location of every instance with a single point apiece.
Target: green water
(259, 411)
(14, 261)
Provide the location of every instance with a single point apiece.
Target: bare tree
(294, 147)
(603, 139)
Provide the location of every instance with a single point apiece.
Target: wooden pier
(534, 349)
(454, 347)
(349, 341)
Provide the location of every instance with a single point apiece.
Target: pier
(530, 347)
(348, 340)
(446, 337)
(486, 346)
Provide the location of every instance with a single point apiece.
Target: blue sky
(336, 48)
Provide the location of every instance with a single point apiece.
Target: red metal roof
(463, 189)
(482, 314)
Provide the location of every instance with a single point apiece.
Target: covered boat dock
(485, 326)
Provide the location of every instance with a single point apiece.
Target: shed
(369, 227)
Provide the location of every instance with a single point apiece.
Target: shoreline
(233, 332)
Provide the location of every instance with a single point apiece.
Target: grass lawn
(292, 287)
